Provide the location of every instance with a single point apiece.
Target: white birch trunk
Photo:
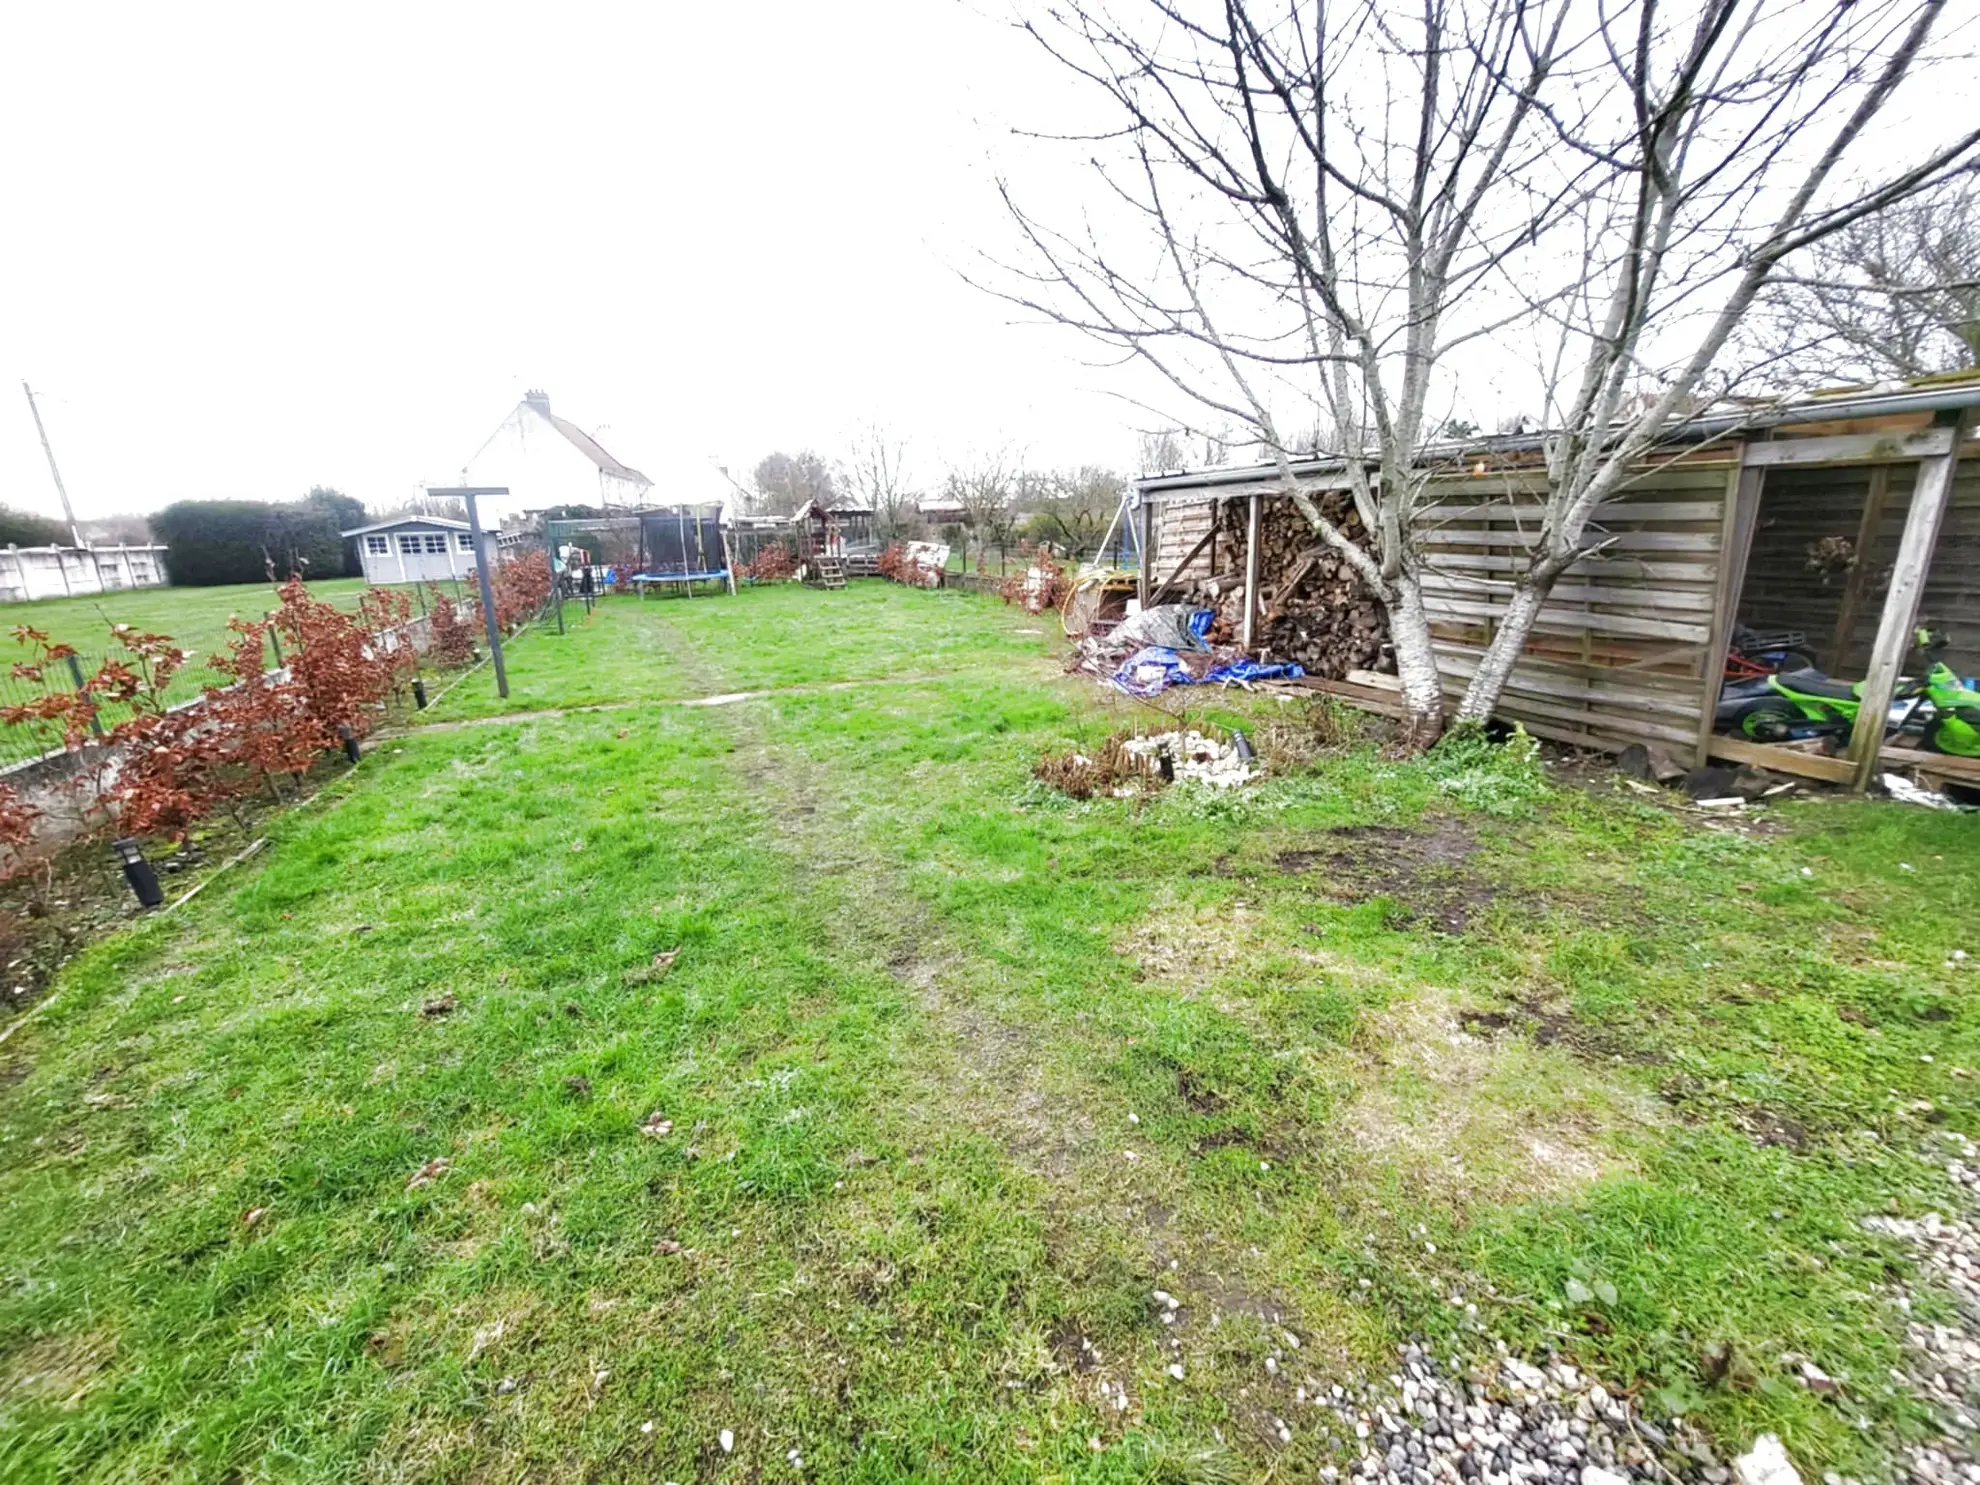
(1495, 666)
(1416, 664)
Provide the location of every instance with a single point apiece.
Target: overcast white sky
(252, 248)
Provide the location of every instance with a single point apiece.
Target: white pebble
(728, 1439)
(1175, 1370)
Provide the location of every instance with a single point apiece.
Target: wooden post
(1744, 485)
(1929, 498)
(1874, 502)
(1251, 570)
(1147, 537)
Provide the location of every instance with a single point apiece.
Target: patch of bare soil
(1477, 1114)
(1425, 873)
(54, 1369)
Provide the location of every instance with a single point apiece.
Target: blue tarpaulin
(1155, 668)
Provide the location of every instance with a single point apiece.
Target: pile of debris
(1134, 763)
(1316, 611)
(1171, 645)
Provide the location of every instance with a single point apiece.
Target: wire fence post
(275, 642)
(82, 690)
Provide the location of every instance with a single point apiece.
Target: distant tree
(345, 512)
(1072, 508)
(786, 481)
(423, 507)
(128, 529)
(875, 473)
(239, 541)
(1162, 452)
(984, 488)
(1893, 296)
(23, 528)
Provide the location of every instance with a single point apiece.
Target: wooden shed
(1850, 518)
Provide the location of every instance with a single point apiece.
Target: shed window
(409, 546)
(466, 539)
(436, 542)
(378, 546)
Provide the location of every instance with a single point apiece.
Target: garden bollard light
(349, 740)
(419, 694)
(138, 872)
(1242, 743)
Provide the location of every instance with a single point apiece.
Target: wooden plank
(1659, 596)
(1744, 488)
(1622, 541)
(1851, 448)
(1943, 764)
(1929, 498)
(1608, 512)
(1251, 559)
(1641, 728)
(1867, 531)
(1572, 620)
(1562, 689)
(1146, 557)
(1170, 581)
(1628, 673)
(1601, 566)
(1780, 759)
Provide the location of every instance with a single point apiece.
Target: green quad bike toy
(1941, 712)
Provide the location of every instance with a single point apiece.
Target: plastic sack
(1171, 626)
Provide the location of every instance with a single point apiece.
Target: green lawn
(956, 1072)
(195, 617)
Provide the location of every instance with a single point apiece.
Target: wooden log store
(1851, 518)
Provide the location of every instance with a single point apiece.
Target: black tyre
(1768, 721)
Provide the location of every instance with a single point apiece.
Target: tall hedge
(232, 541)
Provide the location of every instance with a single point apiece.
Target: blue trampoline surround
(642, 579)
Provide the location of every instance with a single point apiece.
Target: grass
(195, 617)
(1631, 1106)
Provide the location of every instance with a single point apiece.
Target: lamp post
(471, 494)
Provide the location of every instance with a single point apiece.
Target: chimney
(539, 399)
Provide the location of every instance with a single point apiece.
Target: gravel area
(1942, 1362)
(1434, 1422)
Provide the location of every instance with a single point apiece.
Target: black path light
(138, 872)
(419, 694)
(349, 739)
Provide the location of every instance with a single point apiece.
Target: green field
(945, 1075)
(195, 617)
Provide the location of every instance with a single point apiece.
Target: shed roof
(1940, 395)
(397, 521)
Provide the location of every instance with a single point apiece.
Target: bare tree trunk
(1416, 664)
(1495, 666)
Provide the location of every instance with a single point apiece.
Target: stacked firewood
(1314, 608)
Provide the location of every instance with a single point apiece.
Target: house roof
(830, 508)
(584, 443)
(397, 521)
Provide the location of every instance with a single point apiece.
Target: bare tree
(1345, 204)
(984, 487)
(1072, 508)
(784, 482)
(1893, 296)
(1163, 452)
(875, 472)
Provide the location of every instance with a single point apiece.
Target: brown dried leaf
(429, 1172)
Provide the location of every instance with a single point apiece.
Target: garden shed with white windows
(414, 549)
